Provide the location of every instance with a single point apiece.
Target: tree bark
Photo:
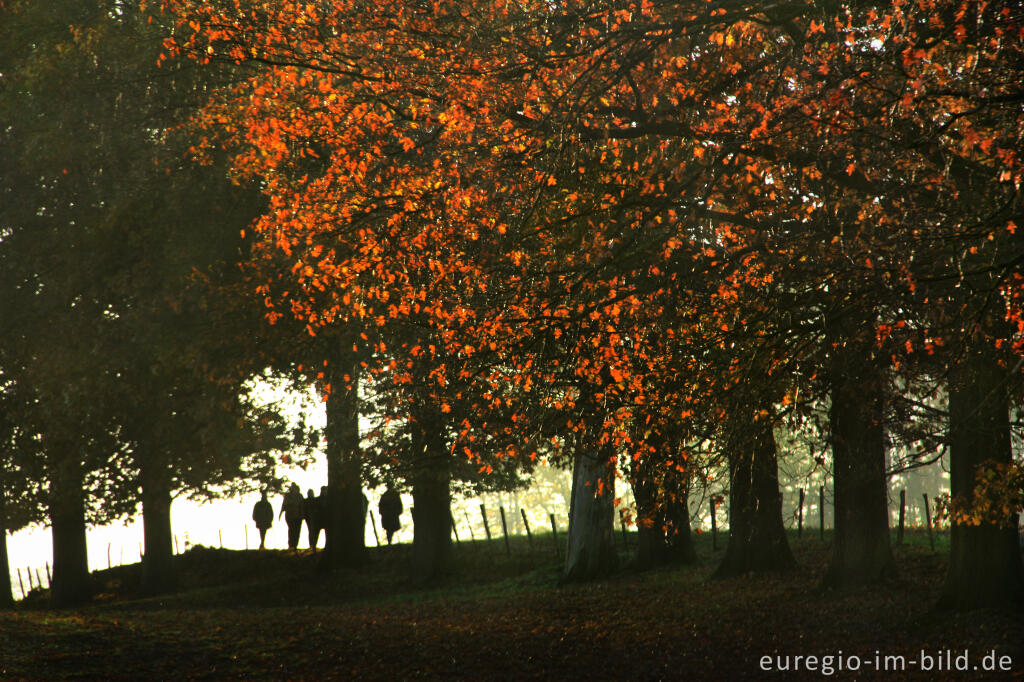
(757, 536)
(680, 539)
(431, 498)
(431, 518)
(651, 536)
(6, 589)
(591, 544)
(71, 581)
(985, 569)
(663, 516)
(344, 545)
(158, 574)
(861, 550)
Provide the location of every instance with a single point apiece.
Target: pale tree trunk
(861, 550)
(590, 549)
(158, 561)
(985, 569)
(431, 495)
(71, 580)
(757, 536)
(344, 545)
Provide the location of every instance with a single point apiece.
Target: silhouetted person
(323, 503)
(390, 508)
(292, 509)
(263, 515)
(314, 520)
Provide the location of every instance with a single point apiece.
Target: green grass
(271, 615)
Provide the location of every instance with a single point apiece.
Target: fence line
(32, 579)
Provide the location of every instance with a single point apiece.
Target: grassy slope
(271, 615)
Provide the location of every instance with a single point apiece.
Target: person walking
(314, 522)
(293, 510)
(263, 516)
(390, 508)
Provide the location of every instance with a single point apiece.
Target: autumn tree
(932, 90)
(679, 205)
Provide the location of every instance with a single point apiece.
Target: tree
(661, 491)
(104, 244)
(757, 537)
(663, 203)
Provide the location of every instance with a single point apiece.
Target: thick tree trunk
(651, 533)
(861, 551)
(158, 561)
(6, 589)
(663, 517)
(985, 569)
(431, 518)
(591, 544)
(680, 539)
(431, 500)
(757, 536)
(71, 580)
(344, 546)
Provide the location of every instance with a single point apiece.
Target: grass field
(271, 615)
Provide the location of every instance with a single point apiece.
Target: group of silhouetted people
(312, 510)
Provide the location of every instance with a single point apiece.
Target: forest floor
(272, 615)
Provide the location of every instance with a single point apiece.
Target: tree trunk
(158, 561)
(71, 581)
(757, 537)
(861, 551)
(431, 500)
(591, 544)
(663, 517)
(432, 541)
(6, 589)
(680, 540)
(344, 546)
(651, 535)
(985, 569)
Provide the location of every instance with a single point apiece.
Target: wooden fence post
(483, 513)
(800, 516)
(504, 530)
(21, 585)
(469, 524)
(928, 520)
(526, 524)
(49, 579)
(373, 524)
(108, 556)
(246, 527)
(554, 535)
(622, 525)
(176, 545)
(220, 537)
(31, 586)
(454, 529)
(714, 525)
(903, 512)
(821, 511)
